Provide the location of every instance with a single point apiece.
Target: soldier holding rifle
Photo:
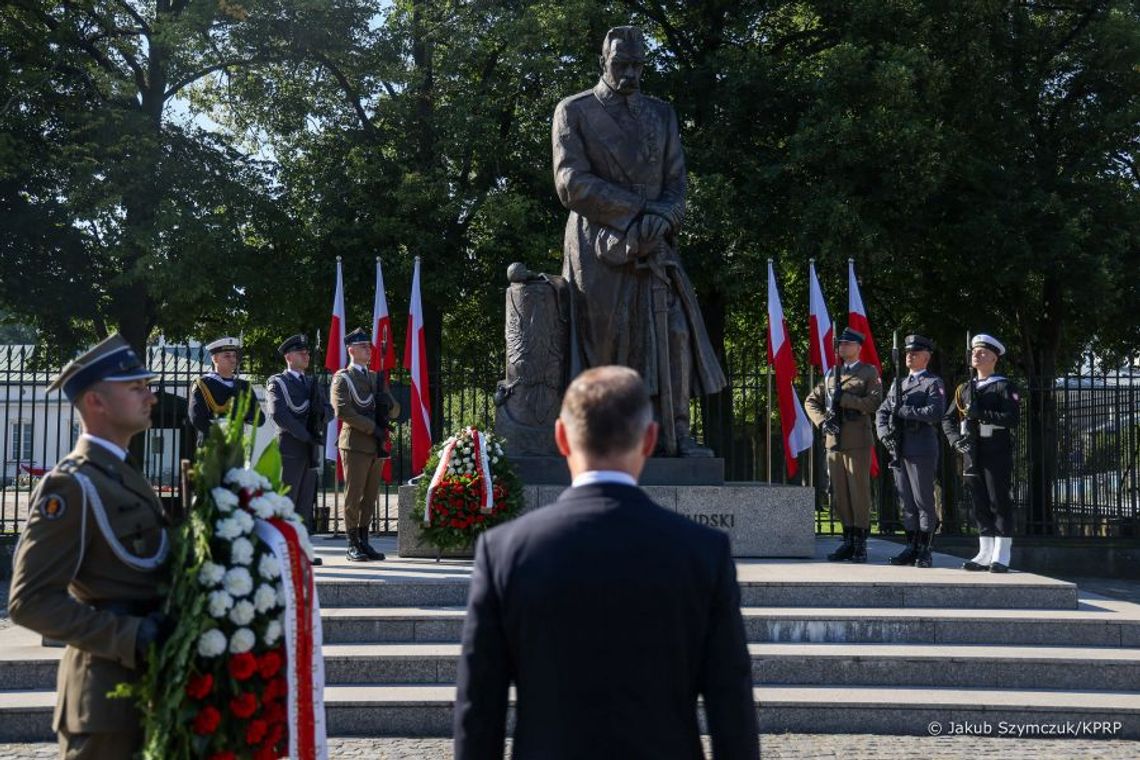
(907, 424)
(212, 395)
(978, 425)
(300, 412)
(841, 406)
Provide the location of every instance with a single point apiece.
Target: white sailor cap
(988, 341)
(224, 344)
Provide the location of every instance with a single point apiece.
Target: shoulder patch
(52, 506)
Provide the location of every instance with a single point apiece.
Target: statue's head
(623, 58)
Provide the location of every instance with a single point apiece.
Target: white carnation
(242, 613)
(219, 603)
(272, 632)
(210, 574)
(268, 567)
(263, 507)
(241, 551)
(265, 598)
(224, 498)
(242, 641)
(244, 521)
(229, 528)
(211, 643)
(238, 581)
(243, 478)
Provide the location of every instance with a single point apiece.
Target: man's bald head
(606, 411)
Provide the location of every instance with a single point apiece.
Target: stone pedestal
(763, 520)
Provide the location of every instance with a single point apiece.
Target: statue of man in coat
(620, 170)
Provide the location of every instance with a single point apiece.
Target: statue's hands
(652, 228)
(662, 209)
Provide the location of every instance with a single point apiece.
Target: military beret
(916, 342)
(359, 335)
(111, 359)
(223, 344)
(981, 340)
(851, 336)
(296, 342)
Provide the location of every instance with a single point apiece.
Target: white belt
(987, 431)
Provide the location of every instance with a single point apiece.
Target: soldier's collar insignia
(53, 506)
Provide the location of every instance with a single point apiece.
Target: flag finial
(338, 259)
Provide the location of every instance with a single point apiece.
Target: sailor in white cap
(92, 556)
(212, 394)
(978, 426)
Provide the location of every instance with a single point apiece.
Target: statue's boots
(909, 553)
(846, 550)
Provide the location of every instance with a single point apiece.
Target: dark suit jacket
(289, 400)
(611, 616)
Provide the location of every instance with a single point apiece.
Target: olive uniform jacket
(354, 399)
(93, 549)
(862, 394)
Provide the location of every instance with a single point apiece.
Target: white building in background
(39, 428)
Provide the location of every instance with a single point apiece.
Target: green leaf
(269, 464)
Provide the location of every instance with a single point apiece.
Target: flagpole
(768, 416)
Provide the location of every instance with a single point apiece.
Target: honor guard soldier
(361, 401)
(92, 556)
(978, 426)
(212, 394)
(842, 406)
(908, 418)
(300, 413)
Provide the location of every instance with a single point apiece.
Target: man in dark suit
(609, 614)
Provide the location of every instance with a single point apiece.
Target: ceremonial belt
(136, 607)
(216, 409)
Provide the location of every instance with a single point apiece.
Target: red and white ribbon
(482, 467)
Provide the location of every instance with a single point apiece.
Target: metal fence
(1077, 451)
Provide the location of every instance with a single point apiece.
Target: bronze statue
(620, 170)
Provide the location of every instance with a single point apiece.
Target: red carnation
(255, 732)
(242, 666)
(274, 713)
(243, 705)
(227, 755)
(199, 686)
(276, 734)
(266, 751)
(206, 721)
(244, 497)
(268, 664)
(278, 687)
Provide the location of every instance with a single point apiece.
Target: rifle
(833, 422)
(314, 422)
(892, 441)
(967, 445)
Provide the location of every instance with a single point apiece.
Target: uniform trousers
(914, 480)
(301, 477)
(993, 510)
(100, 746)
(850, 473)
(361, 487)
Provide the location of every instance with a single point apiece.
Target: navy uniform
(849, 442)
(993, 404)
(89, 566)
(212, 395)
(922, 401)
(300, 412)
(360, 399)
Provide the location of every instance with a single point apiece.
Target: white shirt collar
(296, 373)
(919, 373)
(852, 365)
(360, 367)
(603, 476)
(115, 449)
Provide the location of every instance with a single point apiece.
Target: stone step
(419, 710)
(1095, 623)
(1095, 669)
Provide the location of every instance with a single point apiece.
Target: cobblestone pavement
(779, 747)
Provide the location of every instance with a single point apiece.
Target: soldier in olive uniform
(212, 395)
(300, 413)
(844, 413)
(93, 554)
(922, 402)
(361, 401)
(978, 426)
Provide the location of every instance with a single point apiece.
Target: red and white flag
(793, 421)
(857, 319)
(415, 361)
(383, 351)
(336, 357)
(821, 353)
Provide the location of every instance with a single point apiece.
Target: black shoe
(973, 567)
(367, 547)
(355, 551)
(859, 538)
(317, 561)
(845, 551)
(998, 567)
(909, 552)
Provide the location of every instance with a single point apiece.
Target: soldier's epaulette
(70, 465)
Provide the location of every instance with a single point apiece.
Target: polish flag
(336, 357)
(857, 319)
(822, 351)
(415, 361)
(383, 357)
(793, 422)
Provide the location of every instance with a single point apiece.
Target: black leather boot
(859, 539)
(367, 547)
(909, 552)
(924, 559)
(846, 550)
(355, 552)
